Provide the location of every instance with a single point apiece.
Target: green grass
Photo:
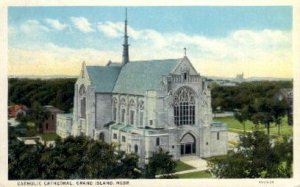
(48, 136)
(197, 174)
(216, 157)
(181, 166)
(235, 126)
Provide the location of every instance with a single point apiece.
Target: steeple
(125, 58)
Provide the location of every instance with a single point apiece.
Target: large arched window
(184, 106)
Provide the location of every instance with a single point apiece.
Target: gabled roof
(50, 108)
(103, 77)
(136, 77)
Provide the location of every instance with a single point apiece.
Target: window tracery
(123, 102)
(141, 105)
(131, 103)
(184, 106)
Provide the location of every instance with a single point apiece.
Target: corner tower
(125, 58)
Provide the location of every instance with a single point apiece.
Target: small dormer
(185, 74)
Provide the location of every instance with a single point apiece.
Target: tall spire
(125, 58)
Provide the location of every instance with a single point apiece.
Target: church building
(142, 106)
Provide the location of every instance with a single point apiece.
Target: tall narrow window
(101, 136)
(82, 107)
(123, 106)
(131, 117)
(141, 118)
(218, 136)
(114, 109)
(115, 136)
(82, 94)
(123, 115)
(184, 76)
(114, 114)
(141, 114)
(157, 141)
(184, 107)
(136, 148)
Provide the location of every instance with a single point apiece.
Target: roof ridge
(150, 60)
(100, 66)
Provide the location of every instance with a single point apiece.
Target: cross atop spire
(125, 58)
(184, 51)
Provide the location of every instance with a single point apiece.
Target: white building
(64, 125)
(144, 105)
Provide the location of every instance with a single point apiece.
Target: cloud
(82, 24)
(110, 29)
(32, 27)
(254, 52)
(51, 59)
(56, 24)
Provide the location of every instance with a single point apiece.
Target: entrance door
(188, 144)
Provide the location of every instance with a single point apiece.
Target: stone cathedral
(142, 106)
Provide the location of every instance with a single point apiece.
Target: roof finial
(82, 69)
(184, 51)
(125, 45)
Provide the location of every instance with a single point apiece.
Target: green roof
(136, 77)
(103, 77)
(127, 128)
(117, 126)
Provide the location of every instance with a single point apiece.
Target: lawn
(197, 174)
(48, 136)
(181, 166)
(235, 126)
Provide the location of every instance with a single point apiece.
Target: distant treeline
(55, 92)
(229, 98)
(60, 92)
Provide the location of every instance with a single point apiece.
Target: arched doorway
(101, 136)
(188, 144)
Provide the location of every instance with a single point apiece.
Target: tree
(279, 109)
(242, 116)
(264, 111)
(72, 158)
(161, 163)
(38, 114)
(128, 166)
(255, 157)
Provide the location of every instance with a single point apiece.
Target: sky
(220, 41)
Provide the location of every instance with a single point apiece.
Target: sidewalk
(195, 161)
(199, 164)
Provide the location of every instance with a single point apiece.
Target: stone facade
(177, 116)
(142, 106)
(64, 125)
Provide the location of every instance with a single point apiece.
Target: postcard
(143, 94)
